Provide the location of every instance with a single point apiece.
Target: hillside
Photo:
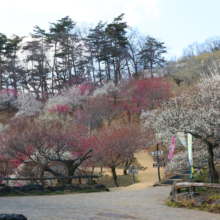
(4, 119)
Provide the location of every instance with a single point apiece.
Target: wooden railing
(193, 185)
(89, 177)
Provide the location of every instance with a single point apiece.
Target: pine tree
(59, 36)
(3, 41)
(116, 33)
(13, 69)
(96, 39)
(151, 55)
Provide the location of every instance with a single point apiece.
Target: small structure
(192, 196)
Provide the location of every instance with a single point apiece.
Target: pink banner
(171, 149)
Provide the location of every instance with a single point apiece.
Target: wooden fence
(193, 185)
(89, 177)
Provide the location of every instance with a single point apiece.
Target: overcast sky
(178, 23)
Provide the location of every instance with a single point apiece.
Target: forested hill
(68, 54)
(87, 97)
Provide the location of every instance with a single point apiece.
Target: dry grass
(204, 207)
(4, 119)
(123, 180)
(177, 90)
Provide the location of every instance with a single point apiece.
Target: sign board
(158, 159)
(156, 153)
(133, 171)
(158, 164)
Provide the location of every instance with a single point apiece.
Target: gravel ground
(127, 204)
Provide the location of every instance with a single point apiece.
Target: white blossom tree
(108, 89)
(72, 97)
(180, 161)
(28, 105)
(197, 113)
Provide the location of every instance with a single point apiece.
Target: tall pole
(133, 175)
(158, 166)
(192, 162)
(202, 66)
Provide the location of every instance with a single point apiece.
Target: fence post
(177, 191)
(192, 189)
(89, 180)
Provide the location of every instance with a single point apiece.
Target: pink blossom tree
(142, 94)
(43, 143)
(117, 144)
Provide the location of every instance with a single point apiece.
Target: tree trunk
(129, 73)
(71, 172)
(92, 170)
(126, 166)
(213, 174)
(136, 71)
(109, 70)
(115, 71)
(48, 169)
(129, 116)
(106, 71)
(42, 175)
(151, 69)
(100, 72)
(114, 176)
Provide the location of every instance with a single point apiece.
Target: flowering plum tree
(95, 109)
(7, 166)
(85, 88)
(180, 161)
(60, 109)
(197, 113)
(43, 143)
(28, 105)
(72, 97)
(142, 94)
(108, 89)
(117, 144)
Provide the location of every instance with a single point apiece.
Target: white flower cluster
(107, 89)
(180, 161)
(198, 112)
(6, 97)
(27, 105)
(71, 97)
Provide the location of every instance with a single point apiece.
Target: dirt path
(147, 177)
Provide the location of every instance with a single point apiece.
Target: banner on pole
(190, 151)
(182, 139)
(171, 149)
